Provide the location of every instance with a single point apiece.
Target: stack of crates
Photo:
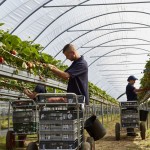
(59, 127)
(129, 114)
(24, 119)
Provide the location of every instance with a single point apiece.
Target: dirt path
(126, 143)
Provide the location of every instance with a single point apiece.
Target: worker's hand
(41, 78)
(25, 90)
(51, 67)
(44, 65)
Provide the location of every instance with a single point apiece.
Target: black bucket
(94, 128)
(143, 115)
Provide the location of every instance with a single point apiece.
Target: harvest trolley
(129, 118)
(61, 123)
(25, 122)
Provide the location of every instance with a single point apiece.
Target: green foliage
(27, 52)
(145, 81)
(94, 90)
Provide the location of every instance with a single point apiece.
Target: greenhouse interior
(74, 75)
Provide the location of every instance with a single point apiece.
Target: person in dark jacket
(38, 89)
(131, 93)
(76, 74)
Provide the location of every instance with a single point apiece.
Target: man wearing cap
(131, 93)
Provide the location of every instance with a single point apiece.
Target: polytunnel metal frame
(117, 50)
(142, 12)
(50, 23)
(89, 18)
(123, 3)
(28, 17)
(105, 33)
(2, 2)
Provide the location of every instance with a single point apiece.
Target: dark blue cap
(132, 78)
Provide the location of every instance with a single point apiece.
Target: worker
(38, 89)
(76, 74)
(131, 93)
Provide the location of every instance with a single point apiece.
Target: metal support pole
(54, 90)
(111, 111)
(107, 111)
(148, 115)
(9, 116)
(102, 113)
(94, 107)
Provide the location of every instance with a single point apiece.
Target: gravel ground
(126, 143)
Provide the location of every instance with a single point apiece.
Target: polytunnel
(112, 35)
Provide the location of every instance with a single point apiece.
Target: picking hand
(42, 78)
(51, 67)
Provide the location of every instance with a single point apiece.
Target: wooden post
(54, 90)
(111, 111)
(148, 115)
(102, 113)
(92, 142)
(107, 111)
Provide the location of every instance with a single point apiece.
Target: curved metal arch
(2, 2)
(58, 18)
(110, 13)
(121, 95)
(102, 36)
(92, 39)
(117, 50)
(121, 49)
(102, 27)
(29, 16)
(112, 41)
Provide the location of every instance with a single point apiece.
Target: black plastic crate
(58, 136)
(23, 104)
(23, 119)
(69, 98)
(129, 104)
(60, 115)
(57, 125)
(132, 125)
(126, 116)
(19, 114)
(53, 145)
(129, 111)
(130, 120)
(25, 127)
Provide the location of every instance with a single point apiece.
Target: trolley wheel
(32, 146)
(86, 146)
(10, 140)
(22, 142)
(117, 131)
(142, 130)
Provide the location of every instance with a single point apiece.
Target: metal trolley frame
(54, 131)
(129, 118)
(25, 122)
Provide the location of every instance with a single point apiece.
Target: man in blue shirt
(76, 74)
(131, 93)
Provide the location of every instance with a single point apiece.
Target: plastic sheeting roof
(113, 35)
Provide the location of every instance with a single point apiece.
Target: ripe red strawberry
(1, 60)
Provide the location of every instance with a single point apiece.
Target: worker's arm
(62, 74)
(30, 94)
(141, 90)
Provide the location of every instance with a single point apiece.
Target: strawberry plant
(24, 55)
